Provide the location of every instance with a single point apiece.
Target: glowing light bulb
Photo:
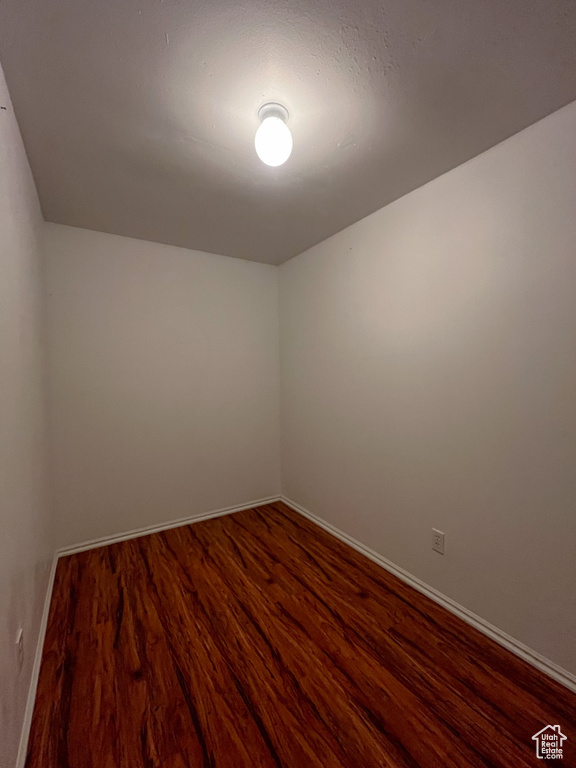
(273, 140)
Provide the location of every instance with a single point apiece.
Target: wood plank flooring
(257, 640)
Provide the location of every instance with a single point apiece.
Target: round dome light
(273, 140)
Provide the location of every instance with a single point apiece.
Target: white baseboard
(513, 645)
(136, 532)
(23, 748)
(510, 643)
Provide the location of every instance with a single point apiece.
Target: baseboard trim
(510, 643)
(28, 712)
(146, 530)
(519, 649)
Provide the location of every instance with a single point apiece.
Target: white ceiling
(139, 115)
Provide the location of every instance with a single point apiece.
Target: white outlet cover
(438, 541)
(20, 647)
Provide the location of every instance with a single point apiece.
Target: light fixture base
(273, 110)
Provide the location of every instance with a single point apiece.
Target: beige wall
(164, 381)
(26, 545)
(428, 368)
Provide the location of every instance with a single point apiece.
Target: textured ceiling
(139, 115)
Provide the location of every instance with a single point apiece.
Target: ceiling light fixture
(273, 140)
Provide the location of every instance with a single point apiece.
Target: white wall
(428, 368)
(26, 544)
(164, 381)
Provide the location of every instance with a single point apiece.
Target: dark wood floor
(258, 639)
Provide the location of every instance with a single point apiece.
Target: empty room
(287, 383)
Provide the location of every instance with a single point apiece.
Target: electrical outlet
(20, 648)
(437, 541)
